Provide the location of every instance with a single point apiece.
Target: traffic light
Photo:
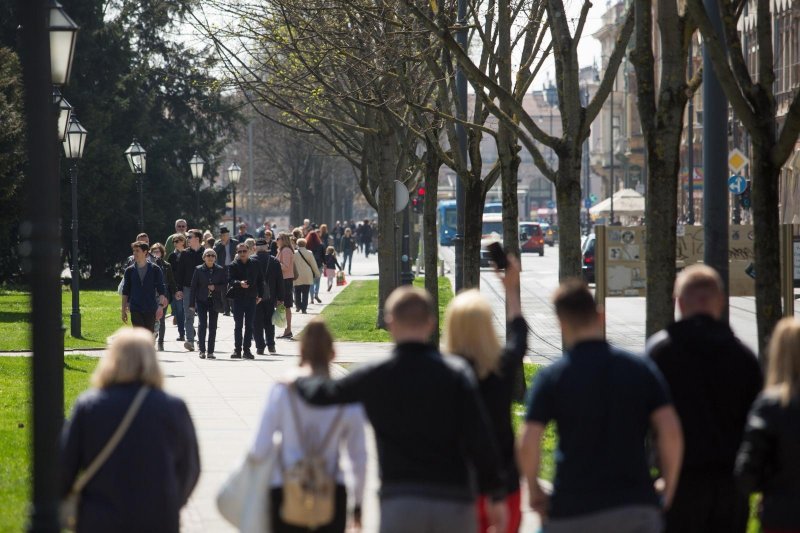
(418, 202)
(744, 198)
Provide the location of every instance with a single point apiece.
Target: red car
(531, 238)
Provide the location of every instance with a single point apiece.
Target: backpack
(309, 490)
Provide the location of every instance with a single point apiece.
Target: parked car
(531, 238)
(587, 258)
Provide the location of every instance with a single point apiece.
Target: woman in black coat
(470, 334)
(153, 469)
(159, 253)
(209, 283)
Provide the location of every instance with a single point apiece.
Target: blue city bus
(493, 207)
(447, 219)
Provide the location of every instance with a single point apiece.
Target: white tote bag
(243, 500)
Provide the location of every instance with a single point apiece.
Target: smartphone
(497, 255)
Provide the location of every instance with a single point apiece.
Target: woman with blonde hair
(153, 468)
(769, 457)
(469, 333)
(327, 430)
(286, 258)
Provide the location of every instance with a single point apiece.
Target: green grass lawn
(99, 319)
(518, 409)
(353, 313)
(16, 429)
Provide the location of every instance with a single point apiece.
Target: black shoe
(285, 335)
(227, 314)
(202, 354)
(260, 351)
(318, 300)
(248, 355)
(236, 355)
(180, 339)
(210, 355)
(160, 346)
(189, 345)
(272, 350)
(303, 311)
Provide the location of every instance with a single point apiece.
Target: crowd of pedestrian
(675, 440)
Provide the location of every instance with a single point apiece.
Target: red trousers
(513, 501)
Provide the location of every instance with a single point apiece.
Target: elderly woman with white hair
(129, 450)
(469, 333)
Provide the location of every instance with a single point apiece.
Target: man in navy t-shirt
(604, 402)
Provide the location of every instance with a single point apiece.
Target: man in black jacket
(244, 277)
(434, 438)
(273, 294)
(226, 253)
(714, 379)
(189, 259)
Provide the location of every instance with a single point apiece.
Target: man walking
(272, 277)
(433, 437)
(188, 261)
(604, 402)
(714, 379)
(141, 281)
(226, 253)
(244, 276)
(243, 235)
(180, 227)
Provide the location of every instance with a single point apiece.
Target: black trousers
(301, 296)
(339, 515)
(706, 503)
(264, 329)
(144, 320)
(207, 318)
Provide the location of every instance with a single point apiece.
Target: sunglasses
(241, 251)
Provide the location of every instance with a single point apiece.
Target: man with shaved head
(713, 378)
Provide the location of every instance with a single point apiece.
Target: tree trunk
(295, 210)
(430, 235)
(473, 230)
(387, 260)
(766, 227)
(568, 201)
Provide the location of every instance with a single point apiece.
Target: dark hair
(410, 306)
(574, 303)
(316, 343)
(143, 246)
(196, 233)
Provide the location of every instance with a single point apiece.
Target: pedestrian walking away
(348, 247)
(331, 265)
(209, 283)
(141, 282)
(286, 259)
(246, 287)
(310, 434)
(713, 379)
(469, 333)
(272, 276)
(769, 458)
(433, 437)
(315, 245)
(307, 271)
(189, 260)
(604, 402)
(153, 464)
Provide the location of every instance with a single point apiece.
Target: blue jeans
(177, 312)
(208, 320)
(315, 287)
(188, 314)
(348, 254)
(244, 313)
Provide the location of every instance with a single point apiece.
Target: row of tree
(131, 77)
(375, 81)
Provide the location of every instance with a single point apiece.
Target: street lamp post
(64, 112)
(234, 174)
(137, 159)
(74, 142)
(196, 163)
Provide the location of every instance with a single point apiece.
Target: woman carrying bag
(209, 283)
(307, 272)
(311, 436)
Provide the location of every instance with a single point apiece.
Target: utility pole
(715, 162)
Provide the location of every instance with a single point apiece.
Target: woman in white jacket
(324, 429)
(306, 267)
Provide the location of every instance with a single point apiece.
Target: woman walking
(325, 430)
(148, 477)
(179, 241)
(348, 247)
(209, 284)
(286, 258)
(307, 270)
(769, 458)
(317, 249)
(331, 264)
(159, 253)
(470, 334)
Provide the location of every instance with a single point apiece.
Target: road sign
(737, 184)
(737, 160)
(551, 204)
(587, 203)
(593, 197)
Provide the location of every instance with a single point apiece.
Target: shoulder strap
(108, 449)
(306, 260)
